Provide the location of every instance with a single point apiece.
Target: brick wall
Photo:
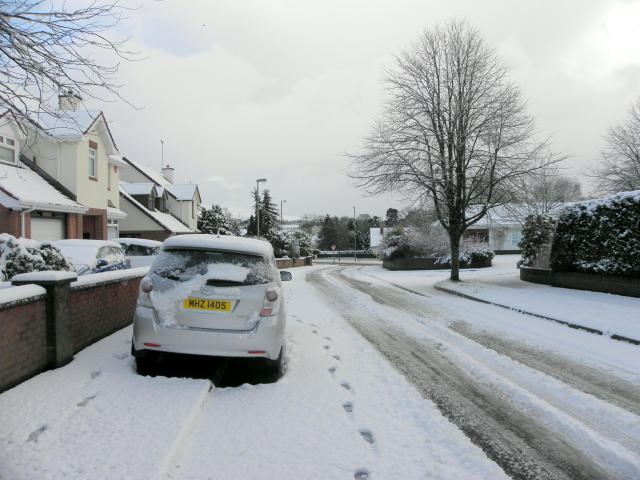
(10, 222)
(293, 262)
(44, 329)
(98, 310)
(23, 339)
(74, 225)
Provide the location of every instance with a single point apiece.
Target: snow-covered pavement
(501, 285)
(340, 411)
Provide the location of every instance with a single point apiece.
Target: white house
(156, 207)
(76, 157)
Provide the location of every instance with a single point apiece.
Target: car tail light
(271, 303)
(146, 285)
(144, 296)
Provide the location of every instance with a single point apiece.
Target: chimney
(167, 173)
(69, 101)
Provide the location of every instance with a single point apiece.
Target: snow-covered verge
(501, 284)
(339, 410)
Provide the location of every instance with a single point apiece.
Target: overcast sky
(279, 89)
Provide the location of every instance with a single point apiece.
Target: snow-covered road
(341, 410)
(531, 409)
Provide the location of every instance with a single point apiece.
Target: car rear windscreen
(217, 266)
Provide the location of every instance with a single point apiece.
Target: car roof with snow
(74, 242)
(220, 242)
(138, 241)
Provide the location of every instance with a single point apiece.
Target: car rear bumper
(267, 336)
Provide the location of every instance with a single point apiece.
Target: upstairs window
(7, 150)
(92, 162)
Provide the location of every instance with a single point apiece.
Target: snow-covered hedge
(410, 243)
(291, 243)
(21, 255)
(537, 235)
(599, 236)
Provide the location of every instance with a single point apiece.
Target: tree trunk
(455, 257)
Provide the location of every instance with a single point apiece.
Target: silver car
(211, 295)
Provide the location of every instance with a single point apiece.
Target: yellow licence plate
(204, 304)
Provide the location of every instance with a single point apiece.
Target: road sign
(333, 247)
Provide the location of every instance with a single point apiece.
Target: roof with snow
(137, 188)
(165, 220)
(69, 123)
(24, 188)
(179, 191)
(185, 191)
(74, 124)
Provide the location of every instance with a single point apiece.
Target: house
(156, 207)
(376, 235)
(60, 180)
(499, 228)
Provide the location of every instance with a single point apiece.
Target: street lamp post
(355, 238)
(281, 220)
(258, 182)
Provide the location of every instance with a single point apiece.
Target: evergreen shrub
(21, 255)
(537, 235)
(599, 236)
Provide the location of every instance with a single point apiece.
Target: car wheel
(273, 366)
(146, 360)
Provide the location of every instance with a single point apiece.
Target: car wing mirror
(285, 276)
(102, 263)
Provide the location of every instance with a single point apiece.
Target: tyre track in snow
(523, 447)
(592, 381)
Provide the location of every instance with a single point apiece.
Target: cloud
(224, 183)
(280, 89)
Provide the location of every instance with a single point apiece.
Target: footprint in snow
(337, 357)
(361, 475)
(348, 407)
(33, 437)
(332, 370)
(121, 356)
(345, 385)
(84, 402)
(95, 374)
(368, 436)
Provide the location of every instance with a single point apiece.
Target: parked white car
(211, 295)
(140, 251)
(94, 256)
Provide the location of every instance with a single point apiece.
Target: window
(222, 268)
(7, 149)
(92, 162)
(516, 237)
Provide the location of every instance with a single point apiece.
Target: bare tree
(46, 50)
(619, 168)
(452, 131)
(543, 192)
